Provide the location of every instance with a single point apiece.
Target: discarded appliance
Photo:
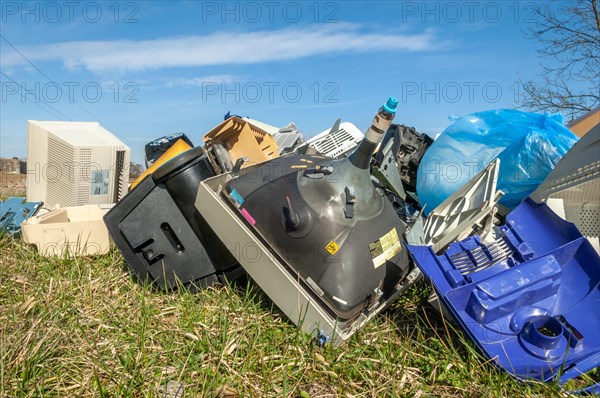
(69, 231)
(236, 139)
(288, 138)
(393, 166)
(261, 125)
(75, 163)
(385, 169)
(406, 146)
(162, 236)
(529, 146)
(176, 148)
(572, 189)
(155, 149)
(315, 234)
(387, 177)
(468, 211)
(407, 209)
(336, 142)
(13, 212)
(585, 123)
(529, 299)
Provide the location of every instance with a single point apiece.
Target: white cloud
(221, 48)
(198, 81)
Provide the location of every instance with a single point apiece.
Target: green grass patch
(85, 327)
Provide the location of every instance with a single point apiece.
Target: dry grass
(11, 185)
(84, 327)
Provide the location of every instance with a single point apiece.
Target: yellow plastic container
(176, 149)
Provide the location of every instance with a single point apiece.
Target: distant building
(585, 123)
(11, 166)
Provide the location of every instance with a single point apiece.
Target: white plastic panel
(467, 211)
(338, 142)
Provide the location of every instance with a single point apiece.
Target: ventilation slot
(119, 176)
(60, 174)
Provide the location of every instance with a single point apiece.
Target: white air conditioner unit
(75, 163)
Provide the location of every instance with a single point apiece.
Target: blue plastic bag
(529, 145)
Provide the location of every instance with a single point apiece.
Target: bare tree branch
(570, 39)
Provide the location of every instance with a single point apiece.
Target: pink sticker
(248, 217)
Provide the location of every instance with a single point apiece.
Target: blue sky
(146, 69)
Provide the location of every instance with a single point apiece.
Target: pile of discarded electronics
(333, 231)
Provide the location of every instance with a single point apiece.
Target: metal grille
(481, 257)
(119, 176)
(582, 206)
(60, 174)
(335, 144)
(83, 176)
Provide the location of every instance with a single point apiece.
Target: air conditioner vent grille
(60, 173)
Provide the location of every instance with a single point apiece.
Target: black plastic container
(161, 234)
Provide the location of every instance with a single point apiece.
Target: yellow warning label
(385, 248)
(332, 247)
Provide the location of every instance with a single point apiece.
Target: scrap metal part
(407, 146)
(468, 211)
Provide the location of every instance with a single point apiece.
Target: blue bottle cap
(390, 105)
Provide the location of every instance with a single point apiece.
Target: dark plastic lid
(179, 162)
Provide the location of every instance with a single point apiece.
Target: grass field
(84, 327)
